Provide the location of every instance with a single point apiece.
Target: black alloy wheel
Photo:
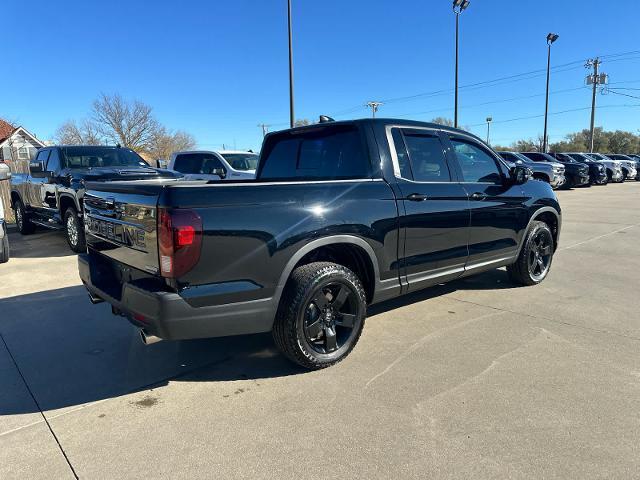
(535, 257)
(321, 315)
(330, 317)
(540, 253)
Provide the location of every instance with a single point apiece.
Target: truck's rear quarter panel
(252, 230)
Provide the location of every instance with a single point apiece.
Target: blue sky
(219, 68)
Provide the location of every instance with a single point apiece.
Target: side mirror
(5, 171)
(220, 172)
(519, 174)
(36, 169)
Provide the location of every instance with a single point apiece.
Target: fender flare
(73, 199)
(17, 193)
(322, 242)
(533, 218)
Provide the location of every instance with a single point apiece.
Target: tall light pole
(489, 120)
(551, 38)
(458, 7)
(292, 119)
(374, 107)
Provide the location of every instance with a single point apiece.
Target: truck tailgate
(121, 222)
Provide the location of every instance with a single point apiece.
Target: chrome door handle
(417, 197)
(478, 196)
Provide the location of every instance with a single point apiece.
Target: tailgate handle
(417, 197)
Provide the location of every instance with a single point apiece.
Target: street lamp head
(489, 119)
(552, 37)
(460, 5)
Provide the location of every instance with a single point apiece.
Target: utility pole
(595, 79)
(292, 118)
(489, 120)
(374, 107)
(265, 128)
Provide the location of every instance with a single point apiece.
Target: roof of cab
(378, 122)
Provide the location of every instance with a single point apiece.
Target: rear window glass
(323, 154)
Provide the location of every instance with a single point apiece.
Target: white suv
(220, 165)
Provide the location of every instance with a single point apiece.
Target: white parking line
(600, 236)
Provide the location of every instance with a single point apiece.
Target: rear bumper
(168, 316)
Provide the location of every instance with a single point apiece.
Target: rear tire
(74, 230)
(535, 258)
(321, 315)
(25, 227)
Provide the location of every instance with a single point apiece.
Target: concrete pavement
(475, 379)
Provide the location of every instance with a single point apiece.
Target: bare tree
(447, 122)
(131, 124)
(164, 143)
(70, 133)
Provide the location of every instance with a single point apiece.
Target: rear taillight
(179, 241)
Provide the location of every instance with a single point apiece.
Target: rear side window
(477, 165)
(426, 154)
(203, 163)
(336, 153)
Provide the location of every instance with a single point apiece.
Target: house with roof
(17, 143)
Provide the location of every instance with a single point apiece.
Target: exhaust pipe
(148, 339)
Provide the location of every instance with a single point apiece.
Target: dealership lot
(472, 379)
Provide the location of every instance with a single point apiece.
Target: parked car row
(575, 169)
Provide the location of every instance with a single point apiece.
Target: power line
(530, 117)
(623, 94)
(565, 67)
(492, 102)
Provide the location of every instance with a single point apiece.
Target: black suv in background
(50, 195)
(577, 174)
(597, 171)
(553, 174)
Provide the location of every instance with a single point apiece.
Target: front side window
(242, 161)
(53, 165)
(42, 156)
(198, 163)
(334, 153)
(426, 155)
(477, 165)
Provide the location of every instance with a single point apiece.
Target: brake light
(179, 241)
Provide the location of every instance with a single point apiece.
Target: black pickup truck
(341, 215)
(50, 195)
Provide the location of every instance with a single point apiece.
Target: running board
(51, 224)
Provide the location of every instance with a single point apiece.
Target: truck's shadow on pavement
(71, 352)
(31, 246)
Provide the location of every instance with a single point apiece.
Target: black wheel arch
(347, 250)
(67, 201)
(548, 215)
